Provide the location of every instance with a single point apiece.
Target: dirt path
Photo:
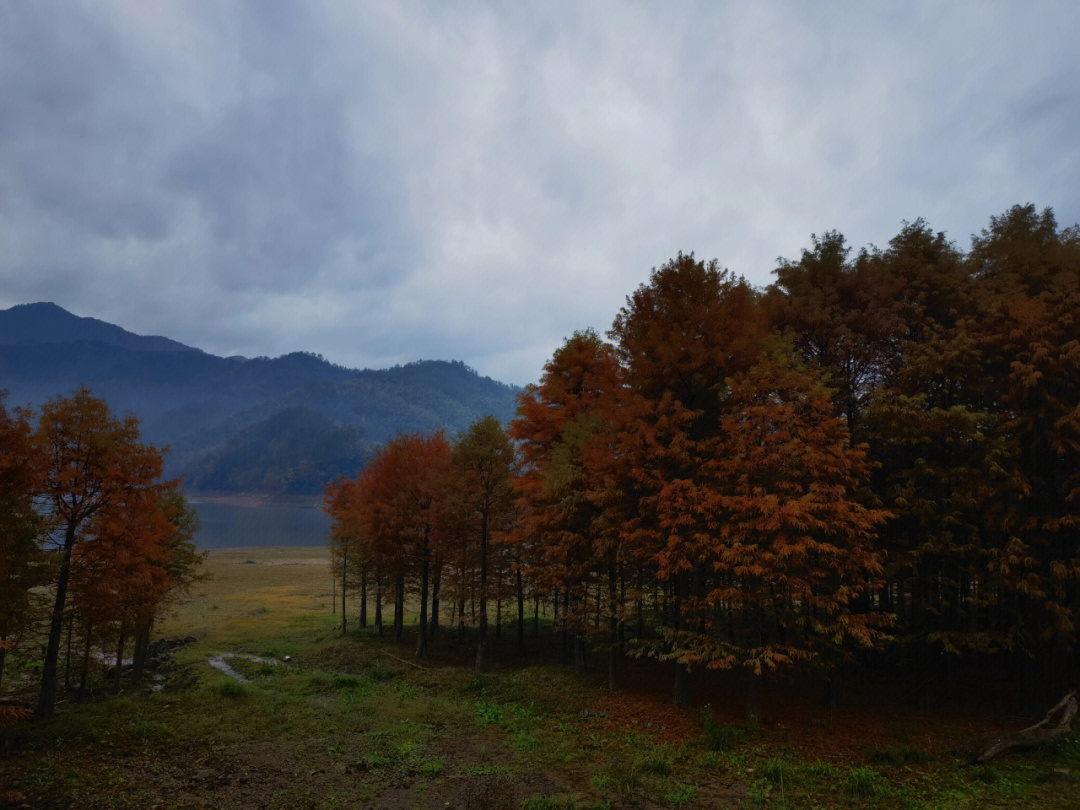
(220, 663)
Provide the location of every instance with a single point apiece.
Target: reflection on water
(223, 525)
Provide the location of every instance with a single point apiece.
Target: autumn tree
(841, 315)
(484, 455)
(559, 524)
(678, 340)
(92, 459)
(23, 566)
(773, 521)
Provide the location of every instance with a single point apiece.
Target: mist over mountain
(274, 425)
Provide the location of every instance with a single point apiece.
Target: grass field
(351, 722)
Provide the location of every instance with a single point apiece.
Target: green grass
(345, 725)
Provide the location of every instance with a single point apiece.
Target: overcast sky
(384, 182)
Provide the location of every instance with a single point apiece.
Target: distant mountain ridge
(272, 425)
(45, 322)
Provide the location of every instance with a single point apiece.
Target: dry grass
(253, 593)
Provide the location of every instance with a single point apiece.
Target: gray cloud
(386, 181)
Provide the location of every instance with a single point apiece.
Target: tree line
(93, 542)
(876, 455)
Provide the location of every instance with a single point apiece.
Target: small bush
(715, 736)
(864, 782)
(659, 765)
(432, 767)
(346, 682)
(779, 772)
(684, 794)
(524, 742)
(823, 770)
(377, 672)
(232, 689)
(488, 714)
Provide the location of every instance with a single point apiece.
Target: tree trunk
(681, 692)
(378, 602)
(483, 593)
(753, 703)
(421, 635)
(67, 656)
(363, 596)
(47, 698)
(581, 663)
(344, 574)
(119, 670)
(142, 644)
(436, 587)
(399, 609)
(521, 613)
(1057, 723)
(85, 662)
(613, 625)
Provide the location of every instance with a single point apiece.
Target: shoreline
(254, 499)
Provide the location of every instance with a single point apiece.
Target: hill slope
(233, 423)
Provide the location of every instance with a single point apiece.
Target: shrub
(864, 782)
(717, 737)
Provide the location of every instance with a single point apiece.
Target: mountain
(45, 322)
(272, 425)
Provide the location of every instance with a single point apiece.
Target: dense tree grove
(876, 456)
(92, 541)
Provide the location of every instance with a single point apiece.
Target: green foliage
(864, 782)
(779, 771)
(718, 737)
(232, 689)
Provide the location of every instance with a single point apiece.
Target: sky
(382, 182)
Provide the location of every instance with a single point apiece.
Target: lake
(227, 525)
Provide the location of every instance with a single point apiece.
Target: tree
(678, 340)
(773, 522)
(841, 315)
(559, 529)
(485, 457)
(92, 459)
(23, 566)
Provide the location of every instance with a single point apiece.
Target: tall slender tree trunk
(436, 588)
(85, 662)
(399, 609)
(378, 602)
(47, 698)
(521, 612)
(3, 655)
(344, 574)
(681, 694)
(120, 659)
(613, 624)
(67, 655)
(363, 596)
(753, 701)
(421, 635)
(483, 593)
(142, 649)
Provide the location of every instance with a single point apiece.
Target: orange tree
(92, 460)
(678, 340)
(485, 461)
(559, 529)
(23, 566)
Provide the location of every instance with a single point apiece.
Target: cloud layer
(381, 182)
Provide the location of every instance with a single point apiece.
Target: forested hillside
(214, 411)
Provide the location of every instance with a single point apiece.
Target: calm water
(230, 526)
